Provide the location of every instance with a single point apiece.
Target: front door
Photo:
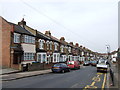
(16, 59)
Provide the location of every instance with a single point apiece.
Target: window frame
(16, 38)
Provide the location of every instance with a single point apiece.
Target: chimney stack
(77, 45)
(22, 23)
(62, 39)
(71, 43)
(48, 33)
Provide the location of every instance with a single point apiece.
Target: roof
(21, 30)
(31, 30)
(55, 39)
(42, 36)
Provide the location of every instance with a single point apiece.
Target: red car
(73, 64)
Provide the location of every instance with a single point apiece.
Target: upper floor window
(56, 46)
(47, 45)
(62, 48)
(41, 44)
(16, 38)
(82, 53)
(29, 39)
(66, 48)
(69, 49)
(50, 45)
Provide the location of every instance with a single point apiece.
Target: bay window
(29, 56)
(42, 57)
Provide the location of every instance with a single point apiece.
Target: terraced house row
(22, 44)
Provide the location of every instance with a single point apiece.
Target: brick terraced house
(22, 44)
(18, 45)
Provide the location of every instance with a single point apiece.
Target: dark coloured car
(86, 63)
(60, 67)
(93, 63)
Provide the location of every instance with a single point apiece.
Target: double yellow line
(103, 85)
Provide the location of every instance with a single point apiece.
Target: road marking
(89, 86)
(95, 79)
(103, 85)
(99, 73)
(92, 84)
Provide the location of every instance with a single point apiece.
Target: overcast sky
(91, 23)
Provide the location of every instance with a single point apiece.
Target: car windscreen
(102, 62)
(71, 63)
(57, 65)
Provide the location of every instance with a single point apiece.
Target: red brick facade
(6, 36)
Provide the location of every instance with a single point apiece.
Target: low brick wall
(39, 66)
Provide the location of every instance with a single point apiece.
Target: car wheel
(63, 71)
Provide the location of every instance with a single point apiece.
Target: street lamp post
(108, 51)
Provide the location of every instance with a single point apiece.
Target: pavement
(14, 76)
(114, 68)
(8, 71)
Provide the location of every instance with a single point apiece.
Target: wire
(76, 34)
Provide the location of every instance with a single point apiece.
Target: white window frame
(69, 49)
(16, 38)
(64, 57)
(28, 56)
(42, 59)
(47, 43)
(56, 46)
(62, 48)
(41, 44)
(51, 45)
(29, 39)
(56, 57)
(70, 57)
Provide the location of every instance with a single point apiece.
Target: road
(86, 77)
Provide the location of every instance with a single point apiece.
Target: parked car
(93, 63)
(86, 63)
(73, 64)
(102, 65)
(60, 67)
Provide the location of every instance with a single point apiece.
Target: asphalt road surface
(86, 77)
